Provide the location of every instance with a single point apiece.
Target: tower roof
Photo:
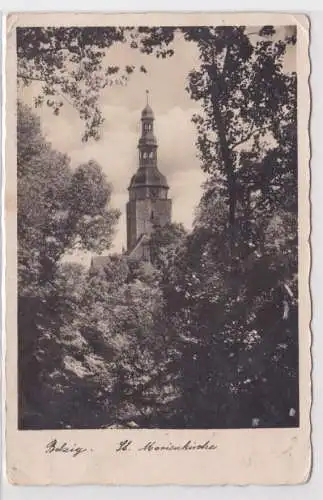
(148, 139)
(148, 176)
(147, 112)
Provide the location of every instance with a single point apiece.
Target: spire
(147, 143)
(147, 112)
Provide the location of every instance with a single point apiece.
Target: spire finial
(147, 97)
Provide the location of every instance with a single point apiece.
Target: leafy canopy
(59, 208)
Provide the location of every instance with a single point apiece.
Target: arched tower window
(147, 126)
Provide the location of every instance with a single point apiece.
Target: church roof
(148, 176)
(147, 112)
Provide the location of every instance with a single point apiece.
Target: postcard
(157, 224)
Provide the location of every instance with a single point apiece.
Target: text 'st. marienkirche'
(148, 203)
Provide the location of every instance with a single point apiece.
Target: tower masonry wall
(143, 214)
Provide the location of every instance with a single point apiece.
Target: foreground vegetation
(206, 336)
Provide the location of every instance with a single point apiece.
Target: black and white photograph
(157, 227)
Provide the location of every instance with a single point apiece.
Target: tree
(59, 209)
(235, 280)
(120, 320)
(249, 101)
(70, 65)
(164, 242)
(237, 333)
(244, 92)
(111, 350)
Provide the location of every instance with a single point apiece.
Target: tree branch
(248, 136)
(43, 80)
(33, 78)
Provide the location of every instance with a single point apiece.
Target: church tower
(148, 203)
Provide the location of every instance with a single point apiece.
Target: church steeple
(148, 203)
(147, 143)
(148, 181)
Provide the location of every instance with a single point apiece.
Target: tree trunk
(227, 163)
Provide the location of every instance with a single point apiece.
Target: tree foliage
(234, 282)
(70, 64)
(59, 209)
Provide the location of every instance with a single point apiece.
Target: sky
(121, 106)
